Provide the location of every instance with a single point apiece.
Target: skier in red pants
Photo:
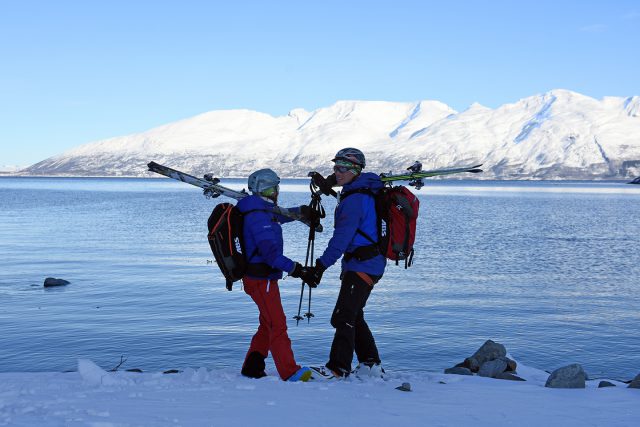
(263, 248)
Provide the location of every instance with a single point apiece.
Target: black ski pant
(352, 332)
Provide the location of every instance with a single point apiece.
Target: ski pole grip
(323, 183)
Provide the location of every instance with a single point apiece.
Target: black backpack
(225, 226)
(226, 241)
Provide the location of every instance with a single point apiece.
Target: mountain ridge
(559, 134)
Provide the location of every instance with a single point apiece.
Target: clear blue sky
(72, 72)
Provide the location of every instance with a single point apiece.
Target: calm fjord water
(550, 269)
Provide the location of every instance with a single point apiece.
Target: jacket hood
(366, 180)
(253, 202)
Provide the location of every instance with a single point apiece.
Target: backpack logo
(383, 229)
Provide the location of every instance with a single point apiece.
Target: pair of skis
(416, 174)
(211, 189)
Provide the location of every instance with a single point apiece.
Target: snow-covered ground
(94, 397)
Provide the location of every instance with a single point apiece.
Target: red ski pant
(272, 332)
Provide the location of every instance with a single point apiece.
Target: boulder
(492, 368)
(404, 387)
(458, 370)
(605, 384)
(489, 351)
(571, 376)
(635, 383)
(50, 281)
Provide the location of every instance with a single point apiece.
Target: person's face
(344, 173)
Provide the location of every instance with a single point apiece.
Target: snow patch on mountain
(539, 117)
(632, 106)
(11, 168)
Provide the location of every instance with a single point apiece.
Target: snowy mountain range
(556, 135)
(10, 168)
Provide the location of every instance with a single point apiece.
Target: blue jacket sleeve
(347, 221)
(284, 219)
(268, 237)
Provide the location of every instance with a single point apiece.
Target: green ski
(414, 176)
(427, 174)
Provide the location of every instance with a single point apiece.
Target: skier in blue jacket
(264, 251)
(362, 266)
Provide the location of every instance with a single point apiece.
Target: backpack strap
(368, 192)
(362, 253)
(243, 215)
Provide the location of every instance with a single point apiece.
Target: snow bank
(94, 397)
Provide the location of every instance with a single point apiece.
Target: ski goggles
(269, 192)
(343, 166)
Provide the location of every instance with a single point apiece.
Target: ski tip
(476, 170)
(155, 167)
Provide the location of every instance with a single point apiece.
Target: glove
(324, 184)
(313, 275)
(331, 180)
(309, 214)
(298, 270)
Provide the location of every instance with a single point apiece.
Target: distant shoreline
(14, 175)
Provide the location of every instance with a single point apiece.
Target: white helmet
(262, 180)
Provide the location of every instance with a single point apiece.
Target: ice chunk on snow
(92, 374)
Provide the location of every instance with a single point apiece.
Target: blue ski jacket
(263, 235)
(358, 211)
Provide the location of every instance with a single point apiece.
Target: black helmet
(352, 155)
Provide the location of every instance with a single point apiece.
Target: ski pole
(315, 206)
(298, 317)
(309, 314)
